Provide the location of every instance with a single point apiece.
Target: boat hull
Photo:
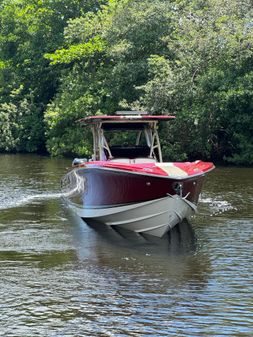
(155, 217)
(141, 203)
(102, 187)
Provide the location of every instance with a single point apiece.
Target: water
(60, 277)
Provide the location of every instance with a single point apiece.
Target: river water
(60, 277)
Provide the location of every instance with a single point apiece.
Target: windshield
(125, 138)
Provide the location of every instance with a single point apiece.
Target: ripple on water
(60, 277)
(123, 291)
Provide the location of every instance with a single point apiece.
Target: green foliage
(29, 29)
(109, 76)
(77, 52)
(21, 127)
(7, 127)
(209, 86)
(65, 59)
(159, 92)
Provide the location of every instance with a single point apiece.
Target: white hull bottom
(155, 217)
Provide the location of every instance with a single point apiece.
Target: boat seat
(121, 160)
(133, 161)
(130, 151)
(144, 160)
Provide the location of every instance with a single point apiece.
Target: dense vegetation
(64, 59)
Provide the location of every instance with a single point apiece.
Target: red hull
(106, 187)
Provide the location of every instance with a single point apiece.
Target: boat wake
(217, 206)
(12, 195)
(12, 201)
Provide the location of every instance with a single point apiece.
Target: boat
(126, 185)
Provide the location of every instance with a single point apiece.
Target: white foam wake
(217, 206)
(16, 201)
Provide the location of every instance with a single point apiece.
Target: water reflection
(173, 258)
(26, 179)
(228, 192)
(47, 260)
(180, 240)
(60, 277)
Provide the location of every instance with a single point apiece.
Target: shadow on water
(180, 240)
(174, 258)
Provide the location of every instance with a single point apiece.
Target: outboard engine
(78, 161)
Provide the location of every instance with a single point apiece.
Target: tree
(65, 59)
(107, 56)
(29, 29)
(212, 80)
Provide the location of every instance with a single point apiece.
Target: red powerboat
(126, 184)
